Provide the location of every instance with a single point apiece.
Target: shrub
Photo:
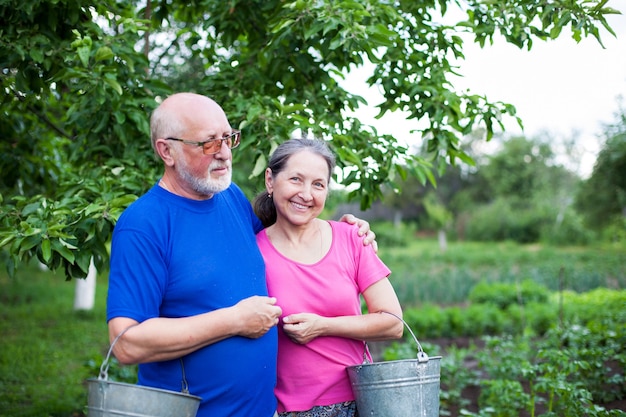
(505, 294)
(570, 231)
(603, 353)
(505, 396)
(456, 378)
(594, 306)
(499, 222)
(541, 317)
(389, 234)
(533, 319)
(484, 319)
(428, 321)
(457, 317)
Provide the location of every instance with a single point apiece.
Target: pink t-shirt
(314, 374)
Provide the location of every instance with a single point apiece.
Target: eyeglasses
(213, 146)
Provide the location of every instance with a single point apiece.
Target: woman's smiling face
(300, 189)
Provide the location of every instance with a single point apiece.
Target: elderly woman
(317, 270)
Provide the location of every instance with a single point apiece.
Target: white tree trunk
(85, 295)
(443, 242)
(397, 218)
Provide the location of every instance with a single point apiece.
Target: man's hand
(364, 230)
(258, 315)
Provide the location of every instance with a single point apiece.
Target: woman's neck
(305, 244)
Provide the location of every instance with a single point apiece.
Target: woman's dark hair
(263, 203)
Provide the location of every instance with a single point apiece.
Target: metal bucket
(401, 388)
(114, 399)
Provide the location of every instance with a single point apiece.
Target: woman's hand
(301, 328)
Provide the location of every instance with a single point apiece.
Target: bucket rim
(362, 365)
(143, 387)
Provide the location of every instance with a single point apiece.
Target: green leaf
(93, 208)
(6, 240)
(466, 158)
(46, 250)
(62, 250)
(336, 42)
(123, 201)
(103, 53)
(29, 243)
(67, 244)
(282, 25)
(37, 55)
(114, 84)
(31, 208)
(259, 166)
(83, 54)
(82, 260)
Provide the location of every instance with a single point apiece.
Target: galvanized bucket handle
(421, 355)
(104, 368)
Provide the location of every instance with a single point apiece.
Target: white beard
(207, 185)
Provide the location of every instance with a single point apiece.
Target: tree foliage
(80, 79)
(602, 197)
(529, 196)
(519, 192)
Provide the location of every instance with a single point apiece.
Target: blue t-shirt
(175, 257)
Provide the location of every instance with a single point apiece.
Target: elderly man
(187, 281)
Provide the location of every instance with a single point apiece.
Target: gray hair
(164, 123)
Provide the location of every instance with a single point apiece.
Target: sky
(560, 87)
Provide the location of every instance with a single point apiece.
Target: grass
(46, 346)
(422, 273)
(47, 350)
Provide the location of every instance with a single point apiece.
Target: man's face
(191, 124)
(204, 174)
